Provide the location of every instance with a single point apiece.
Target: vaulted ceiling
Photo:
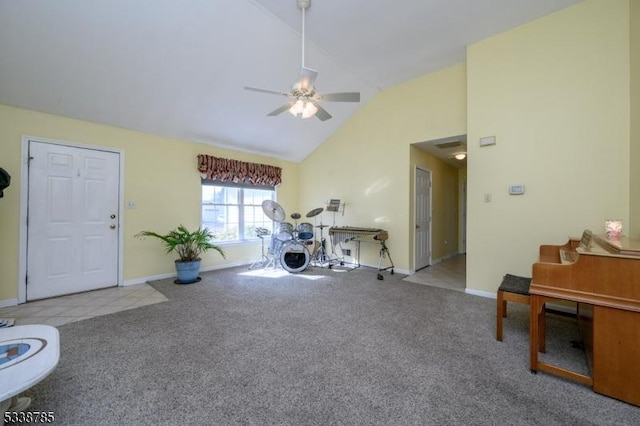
(179, 68)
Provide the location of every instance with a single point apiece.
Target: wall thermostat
(516, 189)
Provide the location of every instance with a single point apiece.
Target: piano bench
(512, 289)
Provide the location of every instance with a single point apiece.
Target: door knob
(112, 226)
(113, 216)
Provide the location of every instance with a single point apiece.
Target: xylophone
(344, 234)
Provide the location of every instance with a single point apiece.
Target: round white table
(28, 354)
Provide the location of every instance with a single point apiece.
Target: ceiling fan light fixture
(303, 109)
(460, 156)
(304, 101)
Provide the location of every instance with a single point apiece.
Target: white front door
(72, 224)
(423, 218)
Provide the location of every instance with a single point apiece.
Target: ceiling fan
(304, 100)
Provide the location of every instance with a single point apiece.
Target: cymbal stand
(272, 261)
(321, 258)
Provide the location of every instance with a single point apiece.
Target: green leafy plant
(189, 245)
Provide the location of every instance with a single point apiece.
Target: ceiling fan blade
(307, 78)
(271, 92)
(282, 109)
(322, 113)
(340, 97)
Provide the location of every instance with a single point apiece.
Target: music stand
(262, 260)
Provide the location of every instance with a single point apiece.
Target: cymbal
(315, 212)
(295, 216)
(273, 210)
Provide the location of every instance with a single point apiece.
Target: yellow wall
(366, 163)
(555, 93)
(558, 93)
(444, 202)
(160, 176)
(634, 211)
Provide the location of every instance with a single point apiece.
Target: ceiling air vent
(449, 145)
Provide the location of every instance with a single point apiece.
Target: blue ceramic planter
(187, 271)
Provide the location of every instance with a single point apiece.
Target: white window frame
(240, 206)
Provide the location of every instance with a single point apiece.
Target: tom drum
(305, 231)
(284, 231)
(294, 256)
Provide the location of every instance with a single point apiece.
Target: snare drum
(294, 256)
(284, 231)
(305, 231)
(275, 246)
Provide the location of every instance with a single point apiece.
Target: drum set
(290, 243)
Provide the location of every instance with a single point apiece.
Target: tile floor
(66, 309)
(450, 273)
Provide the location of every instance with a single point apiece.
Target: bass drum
(294, 256)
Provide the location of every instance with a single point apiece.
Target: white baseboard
(142, 280)
(226, 265)
(395, 270)
(8, 302)
(553, 306)
(480, 293)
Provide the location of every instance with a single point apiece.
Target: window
(232, 212)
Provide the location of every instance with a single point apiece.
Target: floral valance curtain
(226, 170)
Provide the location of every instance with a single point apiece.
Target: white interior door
(72, 227)
(423, 219)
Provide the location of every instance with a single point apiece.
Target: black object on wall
(5, 181)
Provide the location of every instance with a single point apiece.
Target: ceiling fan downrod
(303, 5)
(304, 102)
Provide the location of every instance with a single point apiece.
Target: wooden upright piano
(603, 277)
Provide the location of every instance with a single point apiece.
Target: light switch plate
(488, 140)
(516, 189)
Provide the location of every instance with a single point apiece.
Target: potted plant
(189, 245)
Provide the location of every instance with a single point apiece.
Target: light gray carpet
(317, 348)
